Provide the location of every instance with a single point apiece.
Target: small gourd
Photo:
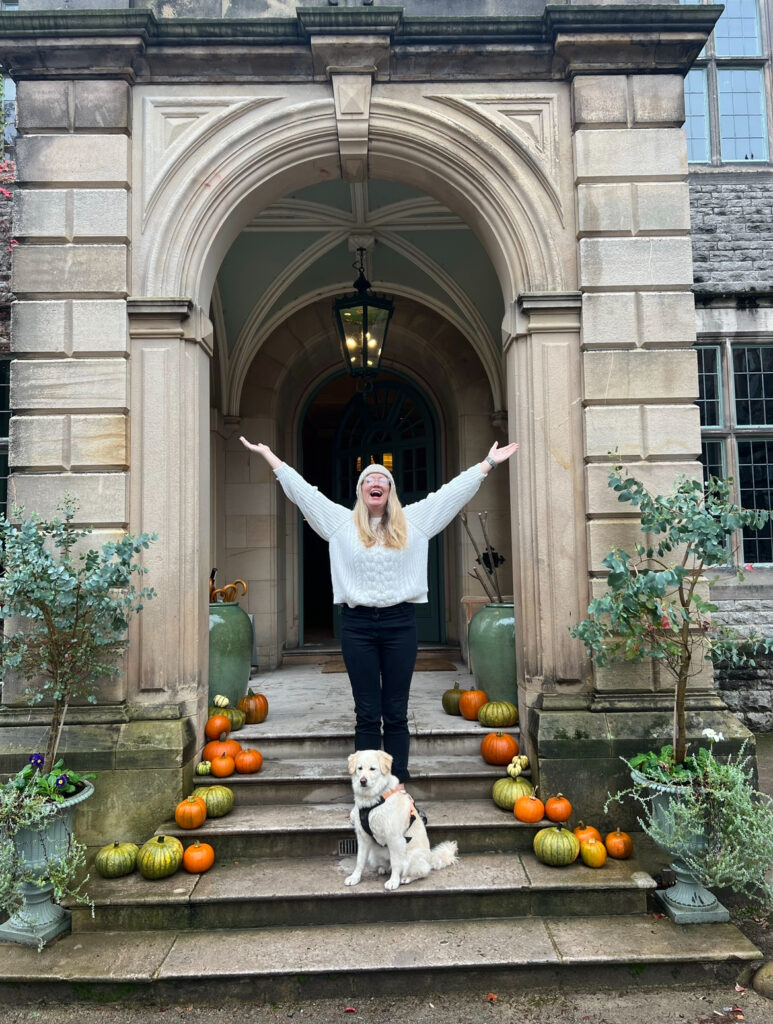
(470, 703)
(517, 766)
(160, 857)
(498, 748)
(498, 714)
(506, 791)
(219, 799)
(450, 700)
(254, 706)
(593, 853)
(220, 701)
(204, 768)
(116, 859)
(556, 846)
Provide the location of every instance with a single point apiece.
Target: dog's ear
(385, 762)
(353, 763)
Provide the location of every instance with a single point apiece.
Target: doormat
(424, 663)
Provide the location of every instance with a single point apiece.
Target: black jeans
(379, 646)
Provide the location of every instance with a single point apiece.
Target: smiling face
(375, 493)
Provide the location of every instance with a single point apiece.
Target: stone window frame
(5, 420)
(703, 81)
(720, 440)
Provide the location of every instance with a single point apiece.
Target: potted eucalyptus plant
(69, 608)
(656, 606)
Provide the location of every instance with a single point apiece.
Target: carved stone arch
(271, 149)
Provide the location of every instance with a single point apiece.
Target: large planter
(491, 642)
(230, 650)
(40, 919)
(688, 901)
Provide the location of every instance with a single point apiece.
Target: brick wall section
(732, 232)
(748, 692)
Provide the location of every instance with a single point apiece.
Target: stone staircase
(273, 919)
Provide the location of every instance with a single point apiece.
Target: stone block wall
(732, 232)
(748, 691)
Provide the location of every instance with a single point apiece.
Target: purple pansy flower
(62, 781)
(36, 760)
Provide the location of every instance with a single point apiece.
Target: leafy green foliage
(653, 606)
(712, 818)
(76, 607)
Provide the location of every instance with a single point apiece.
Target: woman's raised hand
(502, 454)
(264, 450)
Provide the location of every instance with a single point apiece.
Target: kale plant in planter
(71, 608)
(655, 607)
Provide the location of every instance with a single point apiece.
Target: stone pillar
(76, 381)
(548, 514)
(639, 384)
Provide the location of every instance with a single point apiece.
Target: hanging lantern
(362, 320)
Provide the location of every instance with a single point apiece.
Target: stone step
(350, 960)
(268, 893)
(326, 780)
(457, 736)
(310, 830)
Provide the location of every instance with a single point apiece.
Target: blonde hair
(392, 531)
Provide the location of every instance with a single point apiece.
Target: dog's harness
(365, 813)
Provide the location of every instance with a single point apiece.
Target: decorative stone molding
(351, 94)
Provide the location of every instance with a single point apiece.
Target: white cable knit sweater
(379, 577)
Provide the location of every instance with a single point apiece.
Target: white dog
(390, 831)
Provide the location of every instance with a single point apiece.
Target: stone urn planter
(491, 641)
(230, 651)
(686, 902)
(41, 919)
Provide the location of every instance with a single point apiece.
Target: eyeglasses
(376, 479)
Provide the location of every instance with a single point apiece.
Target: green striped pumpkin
(116, 859)
(556, 846)
(160, 857)
(219, 799)
(506, 791)
(498, 714)
(235, 716)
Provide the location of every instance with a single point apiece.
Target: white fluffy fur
(388, 847)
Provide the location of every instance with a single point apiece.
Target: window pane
(742, 114)
(709, 385)
(9, 112)
(756, 483)
(713, 459)
(753, 385)
(696, 116)
(737, 33)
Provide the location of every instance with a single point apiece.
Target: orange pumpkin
(558, 808)
(593, 853)
(198, 858)
(529, 808)
(222, 746)
(470, 703)
(619, 845)
(583, 832)
(191, 812)
(216, 725)
(248, 761)
(498, 748)
(255, 707)
(223, 766)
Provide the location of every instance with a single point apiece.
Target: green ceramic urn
(230, 650)
(491, 640)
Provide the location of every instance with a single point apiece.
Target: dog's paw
(392, 883)
(352, 879)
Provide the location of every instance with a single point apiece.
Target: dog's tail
(443, 855)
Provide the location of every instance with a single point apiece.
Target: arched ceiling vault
(301, 249)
